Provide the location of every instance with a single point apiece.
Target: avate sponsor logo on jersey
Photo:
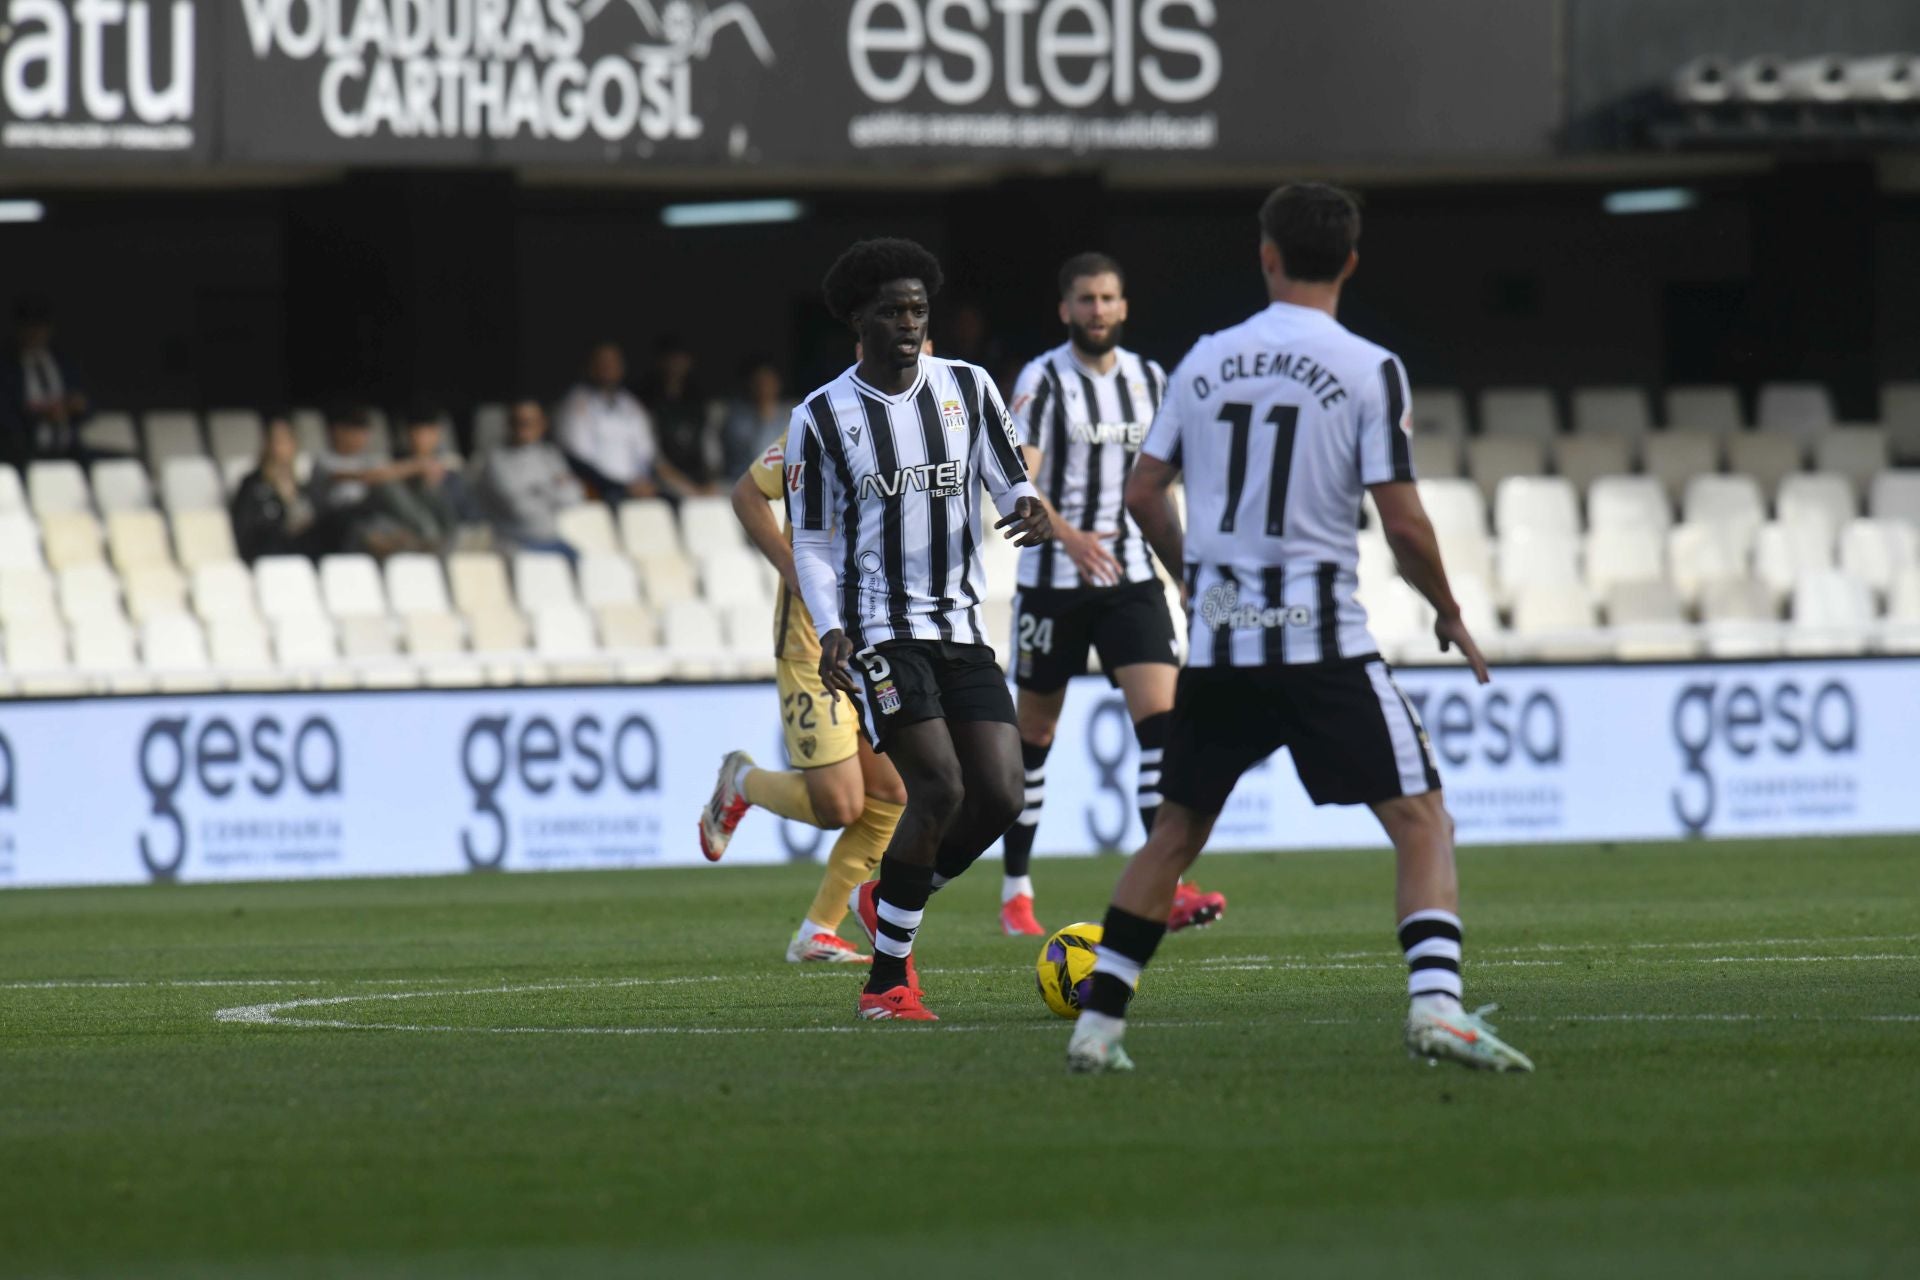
(935, 479)
(1220, 607)
(1126, 434)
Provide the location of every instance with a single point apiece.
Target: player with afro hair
(857, 276)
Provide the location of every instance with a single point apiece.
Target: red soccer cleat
(1193, 909)
(862, 903)
(721, 818)
(1016, 918)
(897, 1004)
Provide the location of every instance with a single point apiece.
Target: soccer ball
(1065, 968)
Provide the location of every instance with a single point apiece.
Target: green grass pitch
(616, 1075)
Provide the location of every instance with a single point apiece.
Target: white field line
(107, 984)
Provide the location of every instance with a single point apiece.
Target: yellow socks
(854, 856)
(781, 793)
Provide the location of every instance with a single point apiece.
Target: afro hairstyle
(860, 273)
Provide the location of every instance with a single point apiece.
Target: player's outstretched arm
(755, 514)
(1086, 548)
(1150, 503)
(1410, 534)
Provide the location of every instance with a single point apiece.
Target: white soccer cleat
(1452, 1033)
(729, 804)
(1095, 1047)
(824, 948)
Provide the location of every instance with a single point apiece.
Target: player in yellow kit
(837, 779)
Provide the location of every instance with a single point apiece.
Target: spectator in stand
(608, 437)
(344, 478)
(686, 422)
(41, 404)
(526, 484)
(422, 509)
(754, 420)
(273, 515)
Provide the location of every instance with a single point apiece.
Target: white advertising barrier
(291, 785)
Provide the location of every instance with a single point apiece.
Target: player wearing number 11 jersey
(1282, 424)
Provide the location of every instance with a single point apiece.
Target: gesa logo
(1782, 722)
(1496, 727)
(219, 759)
(935, 479)
(537, 756)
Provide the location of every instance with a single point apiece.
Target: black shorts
(906, 681)
(1354, 736)
(1053, 627)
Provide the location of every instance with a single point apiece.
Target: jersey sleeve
(1175, 404)
(813, 490)
(1032, 397)
(1384, 430)
(769, 472)
(996, 459)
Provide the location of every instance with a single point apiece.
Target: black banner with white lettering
(781, 84)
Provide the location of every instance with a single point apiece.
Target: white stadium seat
(1618, 411)
(1624, 554)
(1712, 410)
(1787, 551)
(1439, 413)
(497, 628)
(288, 588)
(203, 537)
(173, 643)
(120, 484)
(1832, 614)
(1584, 459)
(1732, 502)
(1858, 453)
(1643, 603)
(542, 580)
(479, 582)
(105, 647)
(110, 432)
(1491, 459)
(19, 540)
(154, 591)
(627, 625)
(1878, 552)
(351, 587)
(57, 485)
(1768, 456)
(1654, 642)
(70, 537)
(588, 528)
(137, 538)
(13, 495)
(1628, 502)
(708, 524)
(171, 433)
(1454, 504)
(416, 584)
(732, 576)
(665, 578)
(240, 650)
(192, 483)
(1525, 505)
(1803, 408)
(223, 589)
(607, 578)
(37, 647)
(1737, 600)
(1900, 411)
(26, 596)
(1816, 498)
(1700, 554)
(1436, 455)
(234, 433)
(433, 635)
(87, 592)
(1554, 621)
(1896, 496)
(694, 640)
(563, 636)
(1530, 559)
(1518, 411)
(364, 637)
(305, 644)
(647, 527)
(1675, 457)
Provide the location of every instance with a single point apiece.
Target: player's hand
(1452, 631)
(1028, 526)
(835, 674)
(1090, 556)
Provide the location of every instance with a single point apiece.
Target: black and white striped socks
(1431, 940)
(900, 901)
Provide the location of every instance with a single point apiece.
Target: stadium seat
(1741, 639)
(1768, 456)
(1711, 410)
(56, 485)
(70, 537)
(1397, 617)
(626, 625)
(647, 527)
(366, 638)
(1436, 455)
(1584, 459)
(708, 525)
(588, 528)
(174, 649)
(350, 585)
(306, 646)
(999, 562)
(563, 637)
(27, 596)
(666, 578)
(192, 484)
(154, 591)
(1530, 559)
(173, 433)
(1614, 411)
(1816, 498)
(288, 588)
(1519, 411)
(1699, 554)
(1439, 413)
(137, 538)
(1642, 602)
(1801, 408)
(234, 433)
(1675, 457)
(1654, 642)
(241, 653)
(120, 484)
(110, 432)
(1832, 614)
(203, 537)
(416, 584)
(1491, 459)
(1737, 600)
(732, 576)
(1453, 504)
(1625, 554)
(1525, 505)
(694, 641)
(223, 589)
(542, 580)
(433, 634)
(1903, 597)
(13, 495)
(1858, 453)
(479, 582)
(88, 592)
(1900, 411)
(19, 540)
(1878, 552)
(607, 578)
(1628, 502)
(749, 631)
(1895, 496)
(104, 649)
(1554, 622)
(499, 632)
(36, 650)
(1733, 502)
(1787, 551)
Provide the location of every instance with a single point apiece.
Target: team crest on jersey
(953, 415)
(808, 745)
(886, 697)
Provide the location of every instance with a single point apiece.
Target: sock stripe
(1424, 963)
(1432, 942)
(898, 916)
(1434, 982)
(1036, 775)
(1417, 931)
(1447, 948)
(1109, 961)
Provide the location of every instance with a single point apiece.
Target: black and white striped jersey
(1088, 428)
(1280, 423)
(897, 479)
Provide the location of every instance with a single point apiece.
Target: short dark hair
(863, 270)
(422, 413)
(1314, 226)
(349, 415)
(1090, 263)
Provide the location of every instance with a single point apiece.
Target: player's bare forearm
(835, 650)
(1150, 503)
(1414, 545)
(755, 514)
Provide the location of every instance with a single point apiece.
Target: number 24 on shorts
(1036, 634)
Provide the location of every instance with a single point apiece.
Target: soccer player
(837, 781)
(884, 467)
(1282, 424)
(1082, 410)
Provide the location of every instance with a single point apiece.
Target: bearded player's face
(1095, 311)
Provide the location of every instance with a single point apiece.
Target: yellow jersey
(794, 638)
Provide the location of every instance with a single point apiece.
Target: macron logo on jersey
(1130, 434)
(935, 479)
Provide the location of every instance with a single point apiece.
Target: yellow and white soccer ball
(1065, 968)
